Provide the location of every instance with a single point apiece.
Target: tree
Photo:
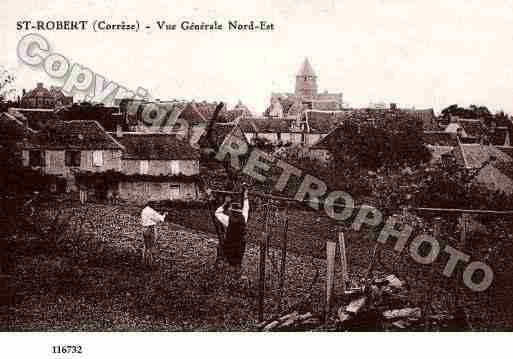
(472, 112)
(378, 139)
(6, 81)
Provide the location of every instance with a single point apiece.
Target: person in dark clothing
(234, 244)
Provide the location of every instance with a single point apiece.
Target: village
(76, 175)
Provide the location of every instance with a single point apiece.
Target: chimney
(39, 85)
(393, 106)
(119, 130)
(24, 92)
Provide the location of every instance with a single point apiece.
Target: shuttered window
(175, 167)
(97, 158)
(144, 167)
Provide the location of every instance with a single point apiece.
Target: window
(36, 158)
(174, 191)
(72, 158)
(97, 158)
(175, 167)
(144, 167)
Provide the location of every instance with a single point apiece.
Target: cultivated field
(92, 277)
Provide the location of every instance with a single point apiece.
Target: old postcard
(257, 166)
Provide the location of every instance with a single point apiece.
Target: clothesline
(335, 205)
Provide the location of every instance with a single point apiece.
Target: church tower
(306, 82)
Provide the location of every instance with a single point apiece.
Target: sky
(418, 54)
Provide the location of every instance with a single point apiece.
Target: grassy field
(93, 278)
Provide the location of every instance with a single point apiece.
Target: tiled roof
(13, 129)
(377, 115)
(439, 138)
(247, 125)
(36, 119)
(219, 133)
(475, 155)
(80, 135)
(264, 125)
(157, 146)
(150, 111)
(38, 92)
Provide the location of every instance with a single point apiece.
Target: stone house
(41, 97)
(158, 166)
(305, 130)
(66, 148)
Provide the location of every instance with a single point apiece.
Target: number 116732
(66, 349)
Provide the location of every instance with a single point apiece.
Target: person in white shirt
(149, 220)
(234, 244)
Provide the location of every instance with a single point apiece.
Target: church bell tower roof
(306, 69)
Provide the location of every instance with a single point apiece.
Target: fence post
(261, 278)
(331, 247)
(428, 297)
(463, 236)
(343, 259)
(282, 264)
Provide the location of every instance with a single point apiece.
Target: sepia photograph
(341, 167)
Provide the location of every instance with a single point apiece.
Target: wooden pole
(463, 235)
(282, 264)
(343, 259)
(438, 227)
(428, 297)
(261, 278)
(331, 247)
